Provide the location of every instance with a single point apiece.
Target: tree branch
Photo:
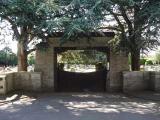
(118, 21)
(129, 23)
(14, 27)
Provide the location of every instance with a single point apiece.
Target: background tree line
(7, 57)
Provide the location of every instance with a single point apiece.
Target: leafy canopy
(30, 20)
(136, 22)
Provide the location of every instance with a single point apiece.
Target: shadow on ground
(77, 106)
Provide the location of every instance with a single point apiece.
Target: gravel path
(67, 106)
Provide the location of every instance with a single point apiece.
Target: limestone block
(10, 82)
(36, 79)
(6, 83)
(118, 63)
(45, 65)
(155, 81)
(3, 86)
(135, 81)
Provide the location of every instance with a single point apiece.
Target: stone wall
(141, 81)
(155, 81)
(6, 83)
(9, 82)
(129, 81)
(26, 81)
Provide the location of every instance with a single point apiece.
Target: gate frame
(58, 50)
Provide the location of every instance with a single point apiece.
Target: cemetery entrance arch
(46, 62)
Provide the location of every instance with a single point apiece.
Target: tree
(79, 17)
(28, 20)
(136, 22)
(35, 19)
(7, 57)
(82, 57)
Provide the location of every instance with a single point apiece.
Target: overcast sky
(9, 43)
(6, 35)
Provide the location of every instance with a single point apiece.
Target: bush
(31, 60)
(7, 57)
(149, 62)
(143, 61)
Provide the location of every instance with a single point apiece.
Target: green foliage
(30, 20)
(149, 62)
(136, 22)
(82, 57)
(31, 59)
(138, 17)
(7, 57)
(85, 16)
(143, 61)
(80, 17)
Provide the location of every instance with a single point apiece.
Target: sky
(9, 43)
(6, 37)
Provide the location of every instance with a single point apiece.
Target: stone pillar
(118, 63)
(155, 81)
(44, 64)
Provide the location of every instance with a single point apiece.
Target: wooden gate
(82, 82)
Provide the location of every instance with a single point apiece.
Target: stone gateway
(46, 61)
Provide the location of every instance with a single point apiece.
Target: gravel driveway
(68, 106)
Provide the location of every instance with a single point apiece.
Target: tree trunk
(135, 60)
(22, 57)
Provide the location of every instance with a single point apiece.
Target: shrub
(143, 61)
(149, 62)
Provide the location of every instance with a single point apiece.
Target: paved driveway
(78, 107)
